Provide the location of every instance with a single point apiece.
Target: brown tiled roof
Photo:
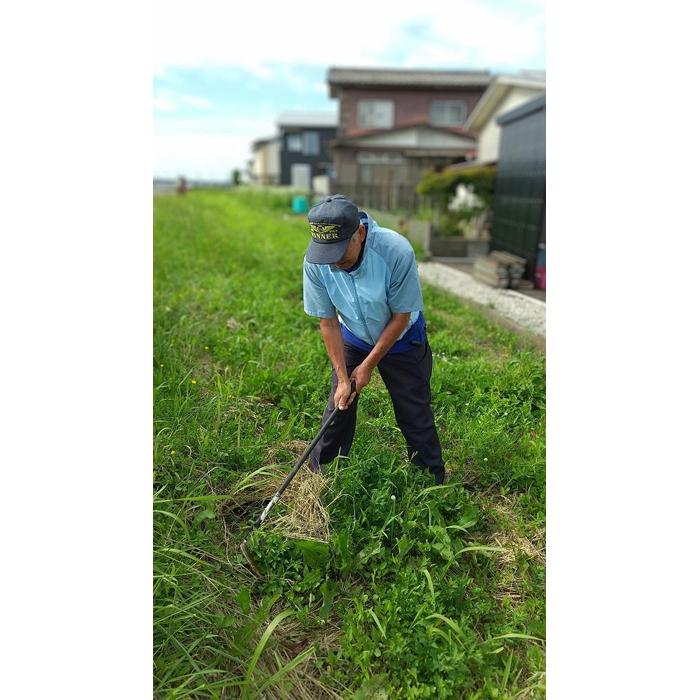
(376, 77)
(361, 133)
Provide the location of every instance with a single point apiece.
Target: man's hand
(362, 374)
(342, 398)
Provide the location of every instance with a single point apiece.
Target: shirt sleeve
(316, 300)
(404, 293)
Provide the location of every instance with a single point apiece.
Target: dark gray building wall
(520, 198)
(321, 164)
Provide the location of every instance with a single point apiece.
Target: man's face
(352, 252)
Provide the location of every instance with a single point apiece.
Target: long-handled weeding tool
(278, 494)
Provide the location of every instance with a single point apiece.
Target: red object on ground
(540, 277)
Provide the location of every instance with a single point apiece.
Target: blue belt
(414, 336)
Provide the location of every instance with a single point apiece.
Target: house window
(310, 143)
(294, 142)
(448, 112)
(371, 157)
(375, 114)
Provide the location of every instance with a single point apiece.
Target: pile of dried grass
(300, 512)
(509, 537)
(503, 511)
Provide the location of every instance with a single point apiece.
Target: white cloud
(497, 37)
(194, 101)
(296, 80)
(471, 34)
(164, 104)
(171, 101)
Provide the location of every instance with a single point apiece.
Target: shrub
(442, 186)
(481, 180)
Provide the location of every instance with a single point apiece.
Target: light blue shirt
(385, 282)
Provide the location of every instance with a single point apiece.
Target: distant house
(265, 165)
(304, 147)
(397, 124)
(504, 93)
(519, 206)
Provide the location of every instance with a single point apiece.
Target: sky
(223, 71)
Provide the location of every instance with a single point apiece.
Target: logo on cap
(325, 232)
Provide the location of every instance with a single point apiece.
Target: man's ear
(363, 232)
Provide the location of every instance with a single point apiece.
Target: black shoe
(314, 466)
(439, 476)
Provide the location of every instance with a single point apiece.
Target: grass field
(425, 592)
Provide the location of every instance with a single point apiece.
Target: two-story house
(297, 153)
(397, 124)
(304, 153)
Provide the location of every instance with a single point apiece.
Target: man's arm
(389, 336)
(330, 330)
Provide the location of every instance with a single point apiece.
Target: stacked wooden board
(500, 269)
(490, 271)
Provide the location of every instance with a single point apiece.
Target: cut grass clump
(300, 513)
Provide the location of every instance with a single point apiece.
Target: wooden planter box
(450, 247)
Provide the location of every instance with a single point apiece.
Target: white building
(265, 166)
(503, 94)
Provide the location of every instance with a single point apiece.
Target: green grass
(426, 592)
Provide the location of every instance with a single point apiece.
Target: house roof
(411, 124)
(497, 90)
(395, 77)
(533, 105)
(261, 142)
(469, 165)
(422, 138)
(319, 119)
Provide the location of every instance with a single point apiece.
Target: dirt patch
(206, 366)
(232, 324)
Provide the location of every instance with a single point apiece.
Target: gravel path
(524, 312)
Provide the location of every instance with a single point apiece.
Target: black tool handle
(301, 461)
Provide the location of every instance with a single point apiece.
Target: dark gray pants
(407, 378)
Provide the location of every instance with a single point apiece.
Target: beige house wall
(490, 136)
(258, 168)
(266, 164)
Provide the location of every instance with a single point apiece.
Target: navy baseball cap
(333, 221)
